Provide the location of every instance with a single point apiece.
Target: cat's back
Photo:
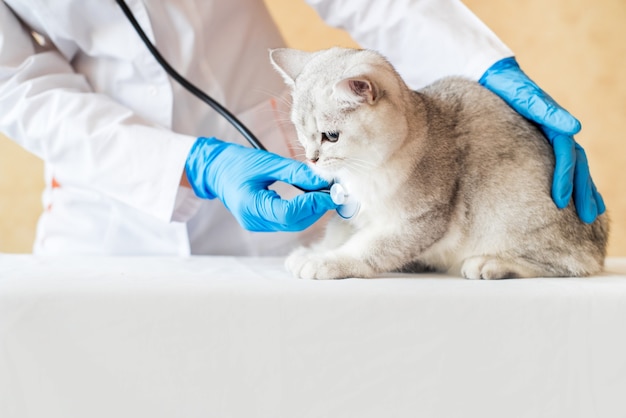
(488, 133)
(465, 104)
(504, 165)
(485, 143)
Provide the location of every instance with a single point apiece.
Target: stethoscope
(347, 208)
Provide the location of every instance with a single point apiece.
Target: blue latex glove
(240, 177)
(571, 172)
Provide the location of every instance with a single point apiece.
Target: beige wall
(21, 182)
(574, 49)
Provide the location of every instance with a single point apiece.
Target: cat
(449, 178)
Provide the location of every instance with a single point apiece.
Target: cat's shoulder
(453, 86)
(460, 91)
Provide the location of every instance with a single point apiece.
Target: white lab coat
(114, 130)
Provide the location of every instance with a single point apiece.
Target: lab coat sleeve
(96, 143)
(424, 39)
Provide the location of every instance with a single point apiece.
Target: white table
(238, 337)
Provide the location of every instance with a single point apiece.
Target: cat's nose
(314, 159)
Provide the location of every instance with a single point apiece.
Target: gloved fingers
(564, 169)
(251, 212)
(310, 204)
(543, 110)
(598, 198)
(584, 196)
(300, 175)
(301, 211)
(268, 212)
(572, 178)
(266, 168)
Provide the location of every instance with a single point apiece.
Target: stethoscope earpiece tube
(247, 134)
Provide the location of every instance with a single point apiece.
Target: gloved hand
(571, 173)
(240, 177)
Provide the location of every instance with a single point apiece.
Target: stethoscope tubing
(243, 129)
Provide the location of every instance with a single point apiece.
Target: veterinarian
(134, 164)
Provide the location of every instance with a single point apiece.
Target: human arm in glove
(240, 176)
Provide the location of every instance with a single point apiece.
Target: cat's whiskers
(283, 99)
(296, 149)
(355, 167)
(280, 109)
(297, 155)
(361, 160)
(278, 114)
(364, 164)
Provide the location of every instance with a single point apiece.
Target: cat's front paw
(296, 258)
(307, 264)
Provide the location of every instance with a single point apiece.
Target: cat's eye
(330, 136)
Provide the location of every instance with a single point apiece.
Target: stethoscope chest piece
(348, 206)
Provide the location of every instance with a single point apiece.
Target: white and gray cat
(449, 177)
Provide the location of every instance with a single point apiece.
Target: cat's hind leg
(490, 267)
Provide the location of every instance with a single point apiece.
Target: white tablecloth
(238, 337)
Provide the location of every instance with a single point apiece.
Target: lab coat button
(153, 91)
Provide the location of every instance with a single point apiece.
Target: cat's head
(346, 107)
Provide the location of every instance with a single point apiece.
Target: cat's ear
(357, 90)
(289, 62)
